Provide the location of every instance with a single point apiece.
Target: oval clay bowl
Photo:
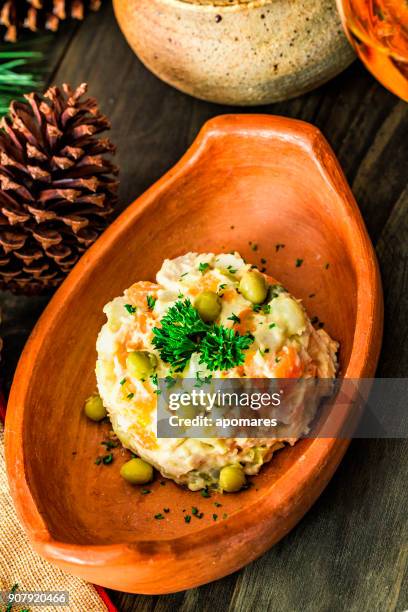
(263, 179)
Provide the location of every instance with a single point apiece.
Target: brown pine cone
(39, 14)
(57, 192)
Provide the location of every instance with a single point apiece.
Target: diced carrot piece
(138, 293)
(229, 295)
(247, 323)
(288, 364)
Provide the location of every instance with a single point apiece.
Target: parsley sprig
(183, 333)
(222, 348)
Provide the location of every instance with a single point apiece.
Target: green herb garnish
(205, 492)
(187, 518)
(107, 459)
(203, 267)
(151, 301)
(170, 382)
(215, 516)
(122, 382)
(183, 333)
(145, 491)
(275, 291)
(202, 381)
(12, 592)
(155, 381)
(130, 396)
(298, 263)
(266, 308)
(222, 348)
(131, 309)
(272, 325)
(179, 335)
(159, 516)
(234, 318)
(108, 444)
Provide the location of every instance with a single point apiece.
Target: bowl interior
(245, 192)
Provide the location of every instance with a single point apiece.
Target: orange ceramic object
(263, 179)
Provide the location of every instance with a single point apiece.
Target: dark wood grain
(350, 551)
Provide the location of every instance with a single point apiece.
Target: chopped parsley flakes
(131, 309)
(202, 381)
(203, 267)
(170, 382)
(151, 301)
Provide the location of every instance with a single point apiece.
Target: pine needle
(19, 74)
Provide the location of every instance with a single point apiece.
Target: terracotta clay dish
(266, 179)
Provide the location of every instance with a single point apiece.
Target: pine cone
(39, 14)
(57, 189)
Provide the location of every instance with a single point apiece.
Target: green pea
(208, 305)
(232, 478)
(94, 408)
(141, 364)
(253, 287)
(137, 471)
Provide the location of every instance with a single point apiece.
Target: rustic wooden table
(350, 551)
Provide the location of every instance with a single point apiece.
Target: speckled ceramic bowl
(237, 52)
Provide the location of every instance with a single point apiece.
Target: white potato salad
(257, 330)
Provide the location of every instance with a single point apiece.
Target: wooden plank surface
(350, 551)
